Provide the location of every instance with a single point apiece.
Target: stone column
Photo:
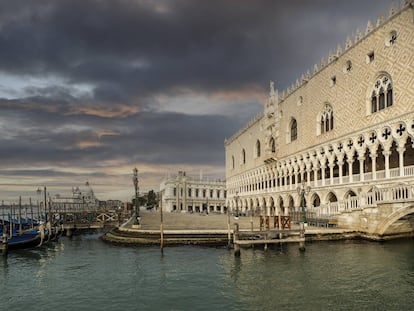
(177, 196)
(361, 167)
(387, 163)
(331, 171)
(323, 173)
(401, 151)
(301, 174)
(340, 166)
(185, 193)
(315, 177)
(374, 165)
(350, 161)
(308, 181)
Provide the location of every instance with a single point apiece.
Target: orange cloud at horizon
(118, 111)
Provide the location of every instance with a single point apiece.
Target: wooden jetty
(271, 236)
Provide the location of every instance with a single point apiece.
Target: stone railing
(399, 193)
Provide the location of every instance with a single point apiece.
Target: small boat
(26, 239)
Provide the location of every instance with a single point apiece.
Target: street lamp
(236, 197)
(135, 182)
(302, 191)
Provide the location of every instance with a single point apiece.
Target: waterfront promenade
(186, 228)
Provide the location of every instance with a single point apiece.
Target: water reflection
(327, 276)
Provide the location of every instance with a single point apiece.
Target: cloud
(97, 87)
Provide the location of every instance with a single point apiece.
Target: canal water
(83, 273)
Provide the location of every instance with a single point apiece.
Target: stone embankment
(211, 229)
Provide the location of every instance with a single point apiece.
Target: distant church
(343, 133)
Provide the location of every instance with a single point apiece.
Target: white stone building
(345, 130)
(182, 193)
(80, 199)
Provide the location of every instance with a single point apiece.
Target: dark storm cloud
(43, 137)
(148, 46)
(104, 65)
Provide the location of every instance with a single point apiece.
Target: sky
(90, 89)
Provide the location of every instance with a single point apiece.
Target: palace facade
(182, 193)
(343, 133)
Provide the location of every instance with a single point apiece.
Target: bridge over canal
(381, 213)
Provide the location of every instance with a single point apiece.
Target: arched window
(374, 102)
(232, 162)
(381, 99)
(272, 145)
(293, 130)
(258, 148)
(322, 124)
(332, 121)
(244, 156)
(389, 95)
(327, 119)
(382, 94)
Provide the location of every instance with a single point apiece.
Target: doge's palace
(344, 132)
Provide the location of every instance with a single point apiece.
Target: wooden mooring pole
(302, 235)
(235, 238)
(228, 230)
(5, 242)
(161, 229)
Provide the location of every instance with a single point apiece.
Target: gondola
(26, 239)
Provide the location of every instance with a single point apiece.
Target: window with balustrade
(382, 94)
(326, 122)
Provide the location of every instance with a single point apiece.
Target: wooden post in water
(161, 227)
(31, 213)
(2, 214)
(5, 245)
(302, 235)
(11, 219)
(39, 217)
(279, 222)
(20, 215)
(235, 238)
(228, 230)
(251, 218)
(5, 241)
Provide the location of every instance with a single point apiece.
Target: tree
(142, 201)
(151, 199)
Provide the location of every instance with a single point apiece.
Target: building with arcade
(341, 136)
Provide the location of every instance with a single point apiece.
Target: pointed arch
(258, 150)
(381, 93)
(326, 119)
(331, 197)
(315, 200)
(293, 130)
(272, 145)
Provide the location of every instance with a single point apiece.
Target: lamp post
(236, 197)
(135, 182)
